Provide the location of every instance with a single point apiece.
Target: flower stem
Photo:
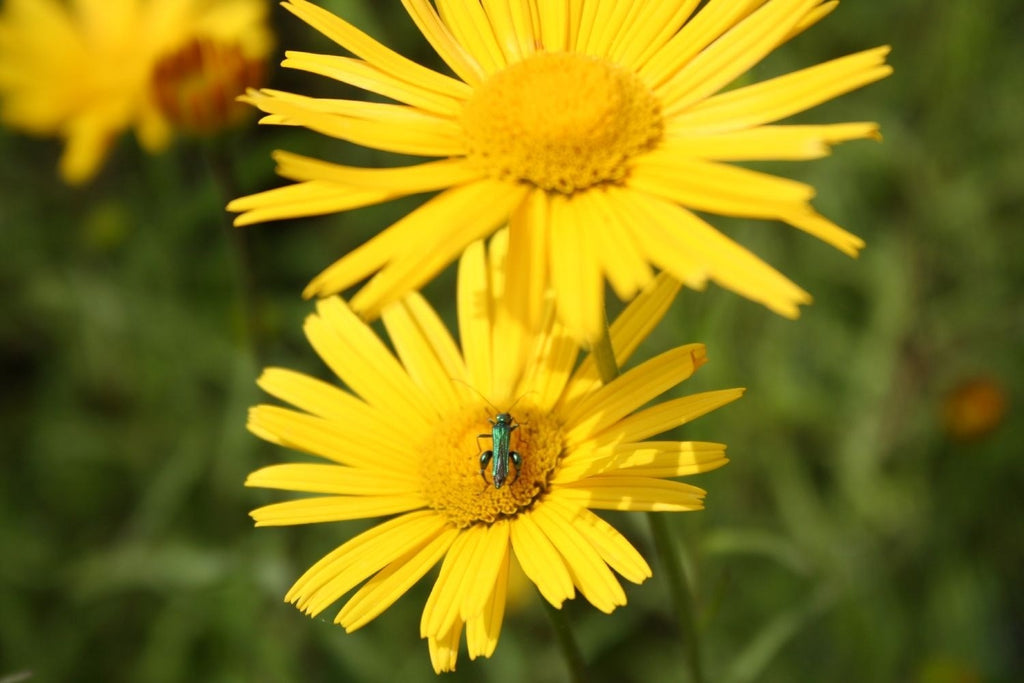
(563, 631)
(222, 172)
(682, 598)
(604, 356)
(668, 551)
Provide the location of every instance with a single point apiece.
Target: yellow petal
(444, 43)
(405, 180)
(346, 442)
(642, 39)
(335, 479)
(612, 546)
(718, 188)
(733, 54)
(678, 241)
(381, 57)
(575, 273)
(444, 648)
(540, 560)
(631, 493)
(313, 198)
(411, 525)
(665, 416)
(333, 509)
(356, 355)
(482, 631)
(627, 333)
(483, 568)
(320, 398)
(350, 563)
(590, 573)
(420, 244)
(629, 391)
(425, 134)
(392, 582)
(475, 317)
(554, 19)
(709, 23)
(442, 609)
(356, 72)
(646, 459)
(419, 358)
(789, 143)
(469, 24)
(783, 96)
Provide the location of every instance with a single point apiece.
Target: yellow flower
(85, 71)
(594, 129)
(408, 438)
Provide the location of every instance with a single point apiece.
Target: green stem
(682, 598)
(222, 171)
(604, 356)
(566, 640)
(668, 551)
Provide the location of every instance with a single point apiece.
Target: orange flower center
(458, 487)
(196, 86)
(561, 121)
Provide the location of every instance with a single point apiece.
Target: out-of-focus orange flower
(974, 408)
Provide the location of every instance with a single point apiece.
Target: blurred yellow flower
(594, 129)
(406, 442)
(84, 70)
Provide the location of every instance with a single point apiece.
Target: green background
(850, 538)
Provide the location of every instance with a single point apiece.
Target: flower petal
(589, 572)
(483, 569)
(350, 563)
(676, 240)
(334, 479)
(444, 43)
(442, 609)
(629, 391)
(785, 143)
(618, 552)
(354, 352)
(783, 96)
(346, 442)
(361, 74)
(733, 54)
(645, 458)
(400, 181)
(376, 54)
(540, 560)
(665, 416)
(575, 272)
(482, 631)
(476, 317)
(452, 220)
(627, 332)
(312, 198)
(444, 649)
(392, 582)
(631, 493)
(333, 509)
(469, 24)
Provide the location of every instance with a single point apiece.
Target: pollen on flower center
(561, 121)
(450, 465)
(197, 86)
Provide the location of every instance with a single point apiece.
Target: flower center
(450, 465)
(561, 121)
(196, 86)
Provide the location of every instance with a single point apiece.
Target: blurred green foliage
(851, 539)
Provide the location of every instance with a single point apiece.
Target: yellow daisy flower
(85, 71)
(405, 441)
(593, 128)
